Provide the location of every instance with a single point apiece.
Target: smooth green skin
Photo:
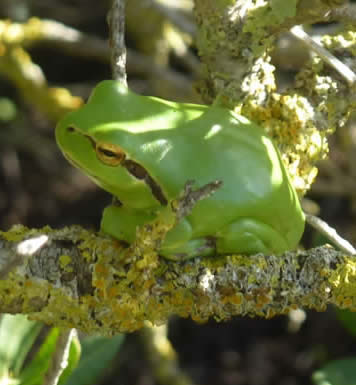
(255, 210)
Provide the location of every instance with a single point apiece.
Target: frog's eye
(109, 154)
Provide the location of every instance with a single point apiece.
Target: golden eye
(109, 154)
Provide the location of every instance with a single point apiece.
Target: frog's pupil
(108, 153)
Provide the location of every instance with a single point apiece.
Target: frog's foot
(193, 248)
(250, 236)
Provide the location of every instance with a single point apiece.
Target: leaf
(348, 319)
(338, 372)
(17, 335)
(284, 9)
(97, 353)
(8, 110)
(35, 370)
(73, 359)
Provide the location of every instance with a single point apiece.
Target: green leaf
(348, 319)
(338, 372)
(17, 335)
(8, 110)
(97, 353)
(283, 9)
(73, 359)
(35, 370)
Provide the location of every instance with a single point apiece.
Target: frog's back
(220, 145)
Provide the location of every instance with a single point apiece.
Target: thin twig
(331, 234)
(330, 59)
(116, 21)
(60, 357)
(162, 356)
(174, 14)
(190, 197)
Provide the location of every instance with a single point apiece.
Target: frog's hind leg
(250, 236)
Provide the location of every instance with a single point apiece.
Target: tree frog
(144, 149)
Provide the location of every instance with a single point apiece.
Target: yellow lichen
(345, 40)
(64, 261)
(343, 282)
(15, 234)
(290, 121)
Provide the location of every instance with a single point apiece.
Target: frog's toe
(194, 248)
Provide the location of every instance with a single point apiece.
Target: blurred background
(66, 49)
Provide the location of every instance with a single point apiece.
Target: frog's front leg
(121, 222)
(250, 236)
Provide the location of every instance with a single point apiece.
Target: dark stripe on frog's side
(139, 172)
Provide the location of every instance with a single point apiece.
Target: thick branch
(74, 278)
(235, 40)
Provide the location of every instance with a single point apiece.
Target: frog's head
(115, 140)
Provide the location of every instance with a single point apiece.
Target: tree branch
(77, 279)
(235, 41)
(331, 234)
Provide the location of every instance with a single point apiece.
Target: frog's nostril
(70, 129)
